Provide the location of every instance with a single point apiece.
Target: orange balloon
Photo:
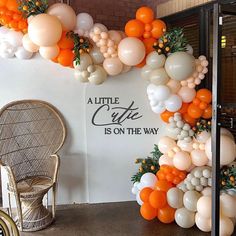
(13, 24)
(187, 118)
(148, 43)
(147, 211)
(158, 28)
(148, 27)
(204, 95)
(196, 101)
(66, 57)
(163, 185)
(145, 14)
(12, 5)
(166, 215)
(65, 42)
(203, 105)
(157, 199)
(207, 113)
(145, 193)
(184, 108)
(142, 63)
(16, 17)
(147, 35)
(161, 175)
(3, 3)
(5, 20)
(166, 115)
(194, 111)
(22, 24)
(134, 28)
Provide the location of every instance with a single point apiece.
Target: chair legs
(54, 192)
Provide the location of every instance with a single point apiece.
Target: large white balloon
(148, 180)
(21, 53)
(173, 103)
(7, 50)
(185, 218)
(180, 65)
(158, 93)
(14, 38)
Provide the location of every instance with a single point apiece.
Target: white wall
(94, 167)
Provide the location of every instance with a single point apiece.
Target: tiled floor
(113, 219)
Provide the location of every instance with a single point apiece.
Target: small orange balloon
(164, 185)
(203, 105)
(66, 57)
(157, 199)
(194, 111)
(166, 215)
(22, 24)
(65, 42)
(3, 3)
(134, 28)
(145, 193)
(12, 5)
(207, 113)
(148, 27)
(5, 19)
(17, 17)
(13, 24)
(184, 108)
(204, 95)
(166, 115)
(3, 10)
(148, 43)
(147, 35)
(190, 120)
(147, 211)
(196, 101)
(158, 28)
(161, 175)
(145, 14)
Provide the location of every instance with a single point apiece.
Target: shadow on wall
(114, 14)
(72, 177)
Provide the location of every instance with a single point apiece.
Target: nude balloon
(182, 160)
(158, 76)
(203, 223)
(199, 157)
(131, 51)
(187, 94)
(113, 66)
(65, 14)
(45, 30)
(49, 52)
(174, 85)
(29, 45)
(166, 160)
(115, 36)
(165, 144)
(185, 146)
(226, 226)
(180, 65)
(204, 206)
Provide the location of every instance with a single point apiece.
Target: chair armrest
(54, 163)
(12, 187)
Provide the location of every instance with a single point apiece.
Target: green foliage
(172, 41)
(202, 125)
(32, 7)
(228, 177)
(81, 45)
(149, 164)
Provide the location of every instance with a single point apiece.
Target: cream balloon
(224, 131)
(98, 76)
(190, 200)
(227, 150)
(187, 94)
(113, 66)
(228, 206)
(166, 160)
(199, 157)
(45, 30)
(126, 68)
(182, 160)
(102, 27)
(165, 144)
(203, 136)
(204, 206)
(29, 45)
(158, 76)
(131, 51)
(65, 14)
(174, 85)
(185, 146)
(155, 61)
(206, 191)
(145, 72)
(49, 52)
(82, 76)
(84, 21)
(96, 55)
(204, 224)
(185, 218)
(180, 65)
(175, 198)
(85, 62)
(226, 226)
(115, 36)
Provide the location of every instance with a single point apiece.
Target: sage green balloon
(184, 218)
(180, 65)
(159, 76)
(155, 61)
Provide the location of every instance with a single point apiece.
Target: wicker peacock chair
(7, 225)
(31, 133)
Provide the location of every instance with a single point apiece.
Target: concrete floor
(111, 219)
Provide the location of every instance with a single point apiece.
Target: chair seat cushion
(33, 186)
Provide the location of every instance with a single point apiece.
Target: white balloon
(189, 49)
(185, 218)
(159, 108)
(84, 21)
(158, 93)
(173, 103)
(7, 50)
(175, 198)
(21, 53)
(98, 76)
(3, 30)
(148, 180)
(155, 61)
(14, 38)
(138, 199)
(190, 200)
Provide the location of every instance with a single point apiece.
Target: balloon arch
(175, 183)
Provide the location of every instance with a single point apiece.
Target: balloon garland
(174, 184)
